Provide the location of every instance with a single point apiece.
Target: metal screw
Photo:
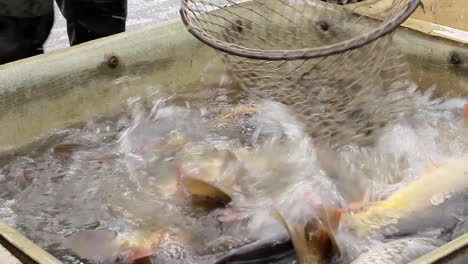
(455, 58)
(323, 25)
(113, 62)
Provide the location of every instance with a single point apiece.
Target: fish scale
(400, 251)
(414, 201)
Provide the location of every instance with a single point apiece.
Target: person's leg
(92, 19)
(24, 28)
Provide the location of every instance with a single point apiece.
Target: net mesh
(332, 63)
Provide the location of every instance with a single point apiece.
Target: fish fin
(231, 165)
(236, 171)
(305, 254)
(367, 196)
(321, 210)
(229, 159)
(202, 188)
(430, 164)
(330, 218)
(194, 185)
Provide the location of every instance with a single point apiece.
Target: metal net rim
(297, 54)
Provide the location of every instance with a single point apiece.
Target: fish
(203, 183)
(105, 245)
(204, 194)
(227, 171)
(435, 197)
(309, 249)
(210, 185)
(260, 251)
(69, 148)
(220, 179)
(220, 176)
(400, 251)
(223, 179)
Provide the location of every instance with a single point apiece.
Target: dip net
(332, 62)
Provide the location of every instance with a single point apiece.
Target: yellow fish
(211, 184)
(220, 176)
(435, 188)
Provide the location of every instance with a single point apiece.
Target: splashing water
(121, 174)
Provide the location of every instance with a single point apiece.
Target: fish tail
(305, 254)
(330, 218)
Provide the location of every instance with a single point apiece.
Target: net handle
(298, 54)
